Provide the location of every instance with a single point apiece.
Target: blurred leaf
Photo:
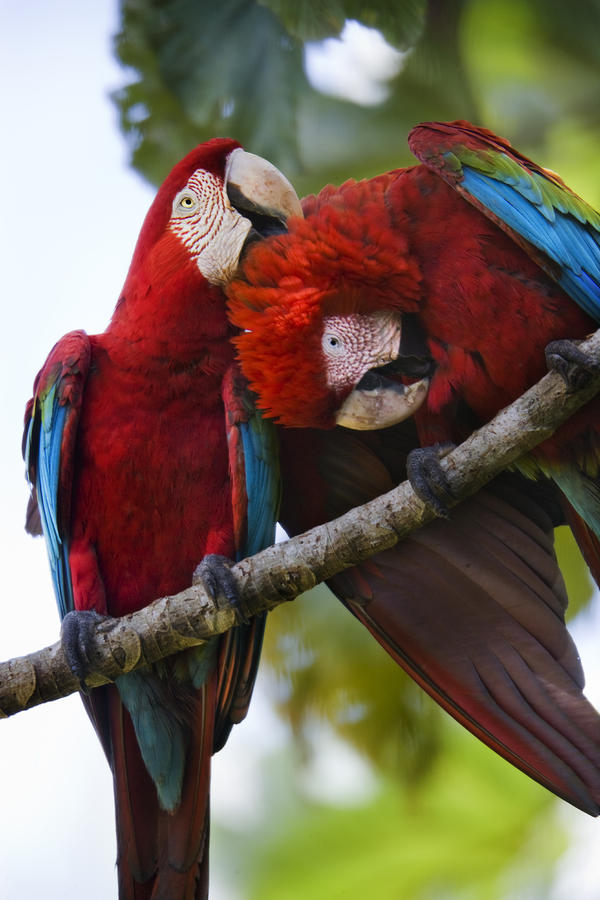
(435, 76)
(572, 150)
(309, 20)
(580, 586)
(207, 69)
(472, 830)
(538, 68)
(401, 23)
(201, 69)
(572, 27)
(329, 667)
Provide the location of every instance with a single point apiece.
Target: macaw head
(323, 312)
(215, 200)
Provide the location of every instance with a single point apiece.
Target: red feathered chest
(151, 484)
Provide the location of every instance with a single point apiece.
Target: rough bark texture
(284, 571)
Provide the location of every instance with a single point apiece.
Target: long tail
(164, 855)
(161, 855)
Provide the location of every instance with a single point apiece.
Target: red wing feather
(472, 608)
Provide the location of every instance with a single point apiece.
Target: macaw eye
(185, 203)
(332, 344)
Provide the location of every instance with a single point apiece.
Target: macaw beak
(260, 192)
(378, 402)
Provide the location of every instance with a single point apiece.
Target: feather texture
(473, 608)
(485, 258)
(143, 460)
(530, 203)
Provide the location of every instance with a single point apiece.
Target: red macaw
(145, 455)
(412, 293)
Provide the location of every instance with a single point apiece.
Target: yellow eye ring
(187, 202)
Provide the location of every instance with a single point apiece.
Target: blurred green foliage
(328, 667)
(580, 586)
(402, 23)
(472, 830)
(529, 69)
(449, 819)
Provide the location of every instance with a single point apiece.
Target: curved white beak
(255, 184)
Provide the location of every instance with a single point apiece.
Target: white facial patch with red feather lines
(353, 344)
(209, 227)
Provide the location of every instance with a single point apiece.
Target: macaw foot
(575, 367)
(214, 573)
(428, 479)
(76, 635)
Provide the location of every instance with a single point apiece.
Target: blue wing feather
(254, 465)
(546, 218)
(558, 234)
(568, 240)
(261, 457)
(48, 449)
(48, 473)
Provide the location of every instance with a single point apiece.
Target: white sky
(71, 213)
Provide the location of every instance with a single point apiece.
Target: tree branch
(282, 572)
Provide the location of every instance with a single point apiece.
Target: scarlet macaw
(457, 283)
(145, 455)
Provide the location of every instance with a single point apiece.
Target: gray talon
(428, 479)
(76, 635)
(575, 367)
(214, 573)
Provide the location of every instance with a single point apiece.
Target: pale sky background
(71, 212)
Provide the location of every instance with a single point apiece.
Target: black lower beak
(262, 227)
(408, 366)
